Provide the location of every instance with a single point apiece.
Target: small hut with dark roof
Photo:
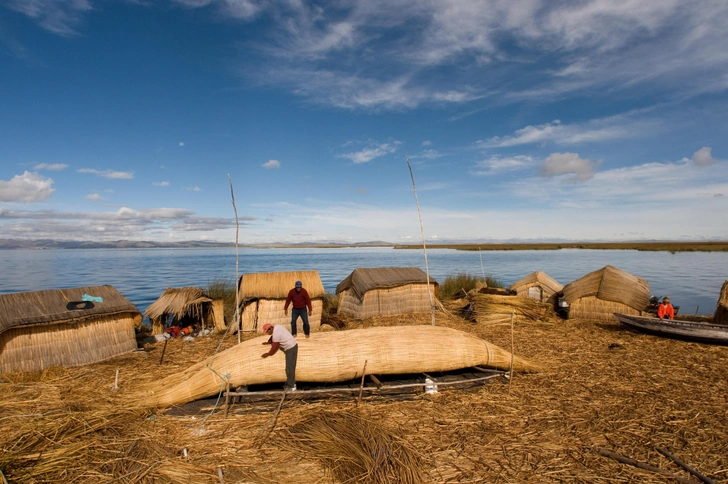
(185, 306)
(366, 293)
(539, 286)
(262, 296)
(59, 328)
(600, 294)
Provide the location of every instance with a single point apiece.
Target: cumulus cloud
(28, 187)
(94, 196)
(50, 166)
(271, 164)
(368, 154)
(703, 157)
(499, 164)
(161, 184)
(181, 143)
(558, 164)
(111, 174)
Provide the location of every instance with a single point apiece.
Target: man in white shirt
(281, 338)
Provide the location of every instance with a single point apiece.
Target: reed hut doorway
(185, 306)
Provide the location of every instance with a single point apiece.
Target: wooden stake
(424, 244)
(161, 358)
(361, 386)
(227, 399)
(682, 464)
(642, 465)
(272, 419)
(5, 481)
(510, 373)
(237, 229)
(116, 381)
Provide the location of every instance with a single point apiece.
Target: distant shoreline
(713, 246)
(642, 246)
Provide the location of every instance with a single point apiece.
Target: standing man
(666, 310)
(300, 299)
(281, 338)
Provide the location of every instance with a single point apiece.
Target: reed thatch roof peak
(611, 284)
(60, 305)
(176, 301)
(362, 280)
(541, 278)
(275, 285)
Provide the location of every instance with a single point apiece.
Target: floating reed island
(603, 391)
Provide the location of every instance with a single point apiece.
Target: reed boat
(671, 328)
(335, 356)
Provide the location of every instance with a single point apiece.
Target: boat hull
(336, 356)
(670, 328)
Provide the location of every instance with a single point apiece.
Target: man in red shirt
(666, 310)
(300, 299)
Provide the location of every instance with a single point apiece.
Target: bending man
(281, 338)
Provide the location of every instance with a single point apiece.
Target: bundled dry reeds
(409, 298)
(603, 292)
(491, 309)
(721, 311)
(546, 287)
(353, 448)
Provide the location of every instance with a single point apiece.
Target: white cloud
(499, 164)
(558, 164)
(271, 164)
(368, 154)
(28, 187)
(193, 189)
(50, 166)
(161, 184)
(427, 143)
(181, 143)
(94, 196)
(703, 157)
(627, 125)
(111, 174)
(58, 16)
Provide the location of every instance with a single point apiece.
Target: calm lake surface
(691, 279)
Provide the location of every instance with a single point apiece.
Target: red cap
(265, 327)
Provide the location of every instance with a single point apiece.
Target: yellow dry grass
(604, 387)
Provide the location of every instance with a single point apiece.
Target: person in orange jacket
(666, 310)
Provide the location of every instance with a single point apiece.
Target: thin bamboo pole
(236, 316)
(424, 244)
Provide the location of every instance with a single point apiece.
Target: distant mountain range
(131, 244)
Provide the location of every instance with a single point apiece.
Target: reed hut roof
(363, 280)
(176, 301)
(611, 284)
(275, 285)
(721, 311)
(60, 305)
(541, 278)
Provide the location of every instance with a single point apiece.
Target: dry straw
(353, 448)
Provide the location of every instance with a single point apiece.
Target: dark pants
(291, 359)
(295, 313)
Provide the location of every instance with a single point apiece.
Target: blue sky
(523, 120)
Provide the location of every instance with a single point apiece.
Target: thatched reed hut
(539, 286)
(185, 306)
(383, 291)
(58, 328)
(721, 311)
(600, 294)
(263, 295)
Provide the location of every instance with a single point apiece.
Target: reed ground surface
(604, 387)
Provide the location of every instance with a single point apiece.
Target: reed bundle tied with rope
(494, 309)
(352, 448)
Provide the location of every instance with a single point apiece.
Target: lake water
(691, 279)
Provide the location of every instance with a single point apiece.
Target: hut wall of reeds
(263, 295)
(539, 286)
(600, 294)
(57, 328)
(383, 291)
(721, 311)
(182, 305)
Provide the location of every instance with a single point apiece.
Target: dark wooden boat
(671, 328)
